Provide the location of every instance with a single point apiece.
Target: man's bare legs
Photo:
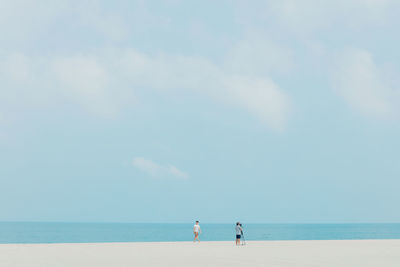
(196, 237)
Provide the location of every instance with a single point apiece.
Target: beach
(255, 253)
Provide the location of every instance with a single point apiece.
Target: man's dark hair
(197, 221)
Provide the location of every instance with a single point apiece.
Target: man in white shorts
(196, 231)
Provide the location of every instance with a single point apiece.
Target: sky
(173, 111)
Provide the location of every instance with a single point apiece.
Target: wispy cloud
(258, 95)
(361, 82)
(308, 16)
(105, 79)
(159, 171)
(103, 82)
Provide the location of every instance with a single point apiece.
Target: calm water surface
(37, 232)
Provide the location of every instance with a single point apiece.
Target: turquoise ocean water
(38, 232)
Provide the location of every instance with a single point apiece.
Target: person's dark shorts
(237, 236)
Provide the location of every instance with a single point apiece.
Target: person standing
(239, 232)
(196, 231)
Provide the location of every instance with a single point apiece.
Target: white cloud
(258, 55)
(363, 85)
(177, 172)
(159, 171)
(104, 82)
(16, 67)
(104, 78)
(21, 20)
(24, 20)
(86, 81)
(310, 15)
(23, 88)
(261, 97)
(258, 95)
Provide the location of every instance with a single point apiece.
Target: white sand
(256, 253)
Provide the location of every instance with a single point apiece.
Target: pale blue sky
(171, 111)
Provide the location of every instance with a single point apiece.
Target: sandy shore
(256, 253)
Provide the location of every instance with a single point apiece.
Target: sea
(57, 232)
